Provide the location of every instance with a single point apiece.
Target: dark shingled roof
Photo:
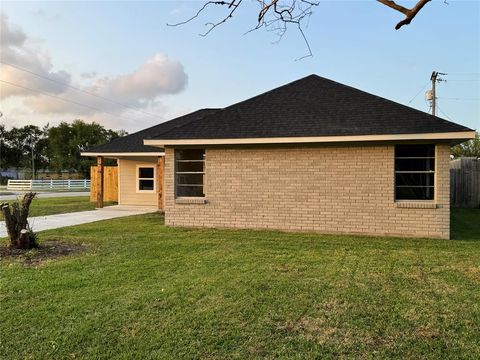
(134, 142)
(312, 106)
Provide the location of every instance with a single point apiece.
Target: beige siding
(329, 189)
(127, 189)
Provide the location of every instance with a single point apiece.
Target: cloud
(88, 75)
(138, 89)
(11, 36)
(158, 75)
(118, 95)
(47, 17)
(15, 50)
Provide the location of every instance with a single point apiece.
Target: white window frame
(138, 178)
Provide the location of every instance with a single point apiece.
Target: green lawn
(140, 290)
(60, 205)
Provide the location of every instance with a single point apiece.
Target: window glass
(146, 178)
(193, 191)
(190, 154)
(414, 172)
(411, 193)
(415, 164)
(414, 179)
(190, 166)
(145, 172)
(415, 151)
(189, 172)
(145, 184)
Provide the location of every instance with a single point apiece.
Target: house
(139, 165)
(312, 155)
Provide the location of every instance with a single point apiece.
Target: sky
(142, 72)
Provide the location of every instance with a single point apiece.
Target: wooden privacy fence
(465, 183)
(110, 183)
(67, 184)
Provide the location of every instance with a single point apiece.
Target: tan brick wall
(329, 189)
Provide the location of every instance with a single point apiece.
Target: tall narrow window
(145, 178)
(189, 172)
(414, 172)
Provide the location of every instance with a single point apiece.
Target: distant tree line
(55, 148)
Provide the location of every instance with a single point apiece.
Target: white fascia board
(463, 135)
(125, 154)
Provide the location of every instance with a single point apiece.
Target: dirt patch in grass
(472, 272)
(427, 332)
(48, 250)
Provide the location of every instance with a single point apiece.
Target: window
(189, 172)
(414, 172)
(145, 178)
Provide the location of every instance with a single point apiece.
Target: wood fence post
(99, 181)
(160, 175)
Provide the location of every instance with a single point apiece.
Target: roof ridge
(308, 107)
(384, 99)
(241, 102)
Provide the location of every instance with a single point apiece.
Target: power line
(463, 80)
(473, 73)
(465, 99)
(423, 88)
(78, 89)
(448, 117)
(63, 99)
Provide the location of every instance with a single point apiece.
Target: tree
(16, 221)
(5, 151)
(67, 141)
(23, 146)
(14, 141)
(276, 15)
(469, 149)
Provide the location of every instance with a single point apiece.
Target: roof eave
(122, 154)
(458, 136)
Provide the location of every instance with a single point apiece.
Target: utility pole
(434, 81)
(33, 157)
(435, 78)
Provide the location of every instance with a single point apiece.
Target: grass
(60, 205)
(465, 224)
(140, 290)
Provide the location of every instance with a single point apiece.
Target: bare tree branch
(233, 5)
(273, 16)
(278, 15)
(409, 13)
(199, 12)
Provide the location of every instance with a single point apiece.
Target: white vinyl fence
(80, 185)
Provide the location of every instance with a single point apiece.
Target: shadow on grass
(465, 224)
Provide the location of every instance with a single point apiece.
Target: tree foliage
(55, 148)
(468, 149)
(67, 141)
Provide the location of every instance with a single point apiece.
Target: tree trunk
(16, 221)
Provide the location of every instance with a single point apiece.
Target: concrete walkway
(13, 195)
(40, 223)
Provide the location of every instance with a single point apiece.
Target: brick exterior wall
(327, 189)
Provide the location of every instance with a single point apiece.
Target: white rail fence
(82, 184)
